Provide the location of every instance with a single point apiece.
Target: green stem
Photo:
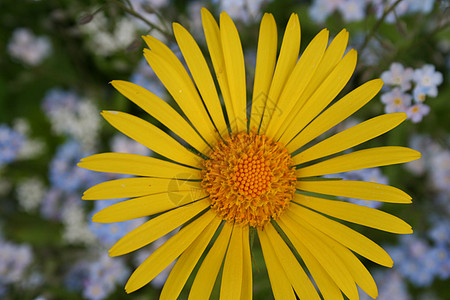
(374, 29)
(135, 14)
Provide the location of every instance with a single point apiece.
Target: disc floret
(250, 179)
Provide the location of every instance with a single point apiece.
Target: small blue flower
(11, 142)
(429, 78)
(420, 93)
(14, 261)
(64, 173)
(396, 101)
(352, 10)
(57, 99)
(417, 111)
(440, 232)
(321, 9)
(97, 290)
(441, 255)
(398, 76)
(110, 233)
(28, 48)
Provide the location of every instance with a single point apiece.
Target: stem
(374, 29)
(135, 14)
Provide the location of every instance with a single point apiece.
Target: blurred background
(56, 59)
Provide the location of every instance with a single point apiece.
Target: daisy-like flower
(242, 174)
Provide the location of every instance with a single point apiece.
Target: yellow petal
(146, 206)
(362, 159)
(294, 271)
(324, 254)
(213, 40)
(286, 62)
(324, 94)
(332, 56)
(356, 189)
(235, 69)
(359, 273)
(133, 164)
(247, 273)
(279, 281)
(298, 81)
(207, 273)
(325, 283)
(337, 112)
(137, 187)
(157, 227)
(354, 213)
(167, 253)
(187, 261)
(151, 137)
(180, 86)
(265, 65)
(231, 286)
(202, 76)
(161, 111)
(344, 235)
(351, 137)
(159, 47)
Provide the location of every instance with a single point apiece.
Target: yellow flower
(251, 170)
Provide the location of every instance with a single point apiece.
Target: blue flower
(429, 78)
(64, 173)
(14, 261)
(11, 142)
(398, 76)
(110, 233)
(396, 101)
(417, 111)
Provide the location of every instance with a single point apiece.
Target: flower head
(28, 48)
(243, 167)
(417, 111)
(396, 101)
(11, 143)
(429, 78)
(398, 76)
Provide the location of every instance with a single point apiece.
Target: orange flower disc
(250, 179)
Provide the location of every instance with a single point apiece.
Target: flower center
(250, 179)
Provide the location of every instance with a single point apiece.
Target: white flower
(28, 48)
(76, 230)
(103, 42)
(440, 168)
(243, 10)
(398, 76)
(321, 9)
(429, 78)
(352, 10)
(30, 193)
(396, 101)
(382, 6)
(417, 112)
(420, 93)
